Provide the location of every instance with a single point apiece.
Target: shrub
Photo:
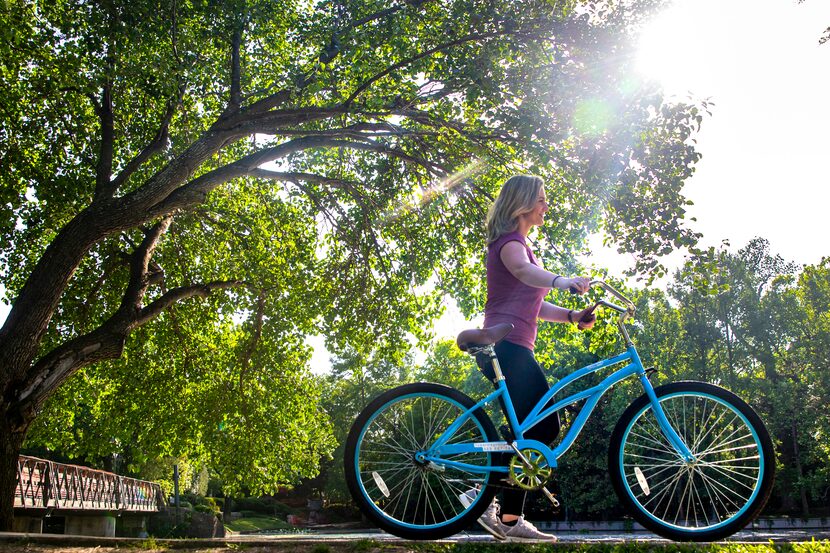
(255, 504)
(341, 513)
(263, 505)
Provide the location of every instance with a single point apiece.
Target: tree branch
(111, 261)
(363, 130)
(278, 98)
(377, 15)
(447, 45)
(171, 177)
(155, 146)
(236, 70)
(269, 102)
(295, 177)
(103, 169)
(139, 268)
(105, 342)
(248, 122)
(174, 295)
(58, 365)
(197, 190)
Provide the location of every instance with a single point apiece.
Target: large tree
(298, 167)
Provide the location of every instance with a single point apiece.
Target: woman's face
(536, 217)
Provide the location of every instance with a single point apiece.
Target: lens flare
(592, 117)
(425, 195)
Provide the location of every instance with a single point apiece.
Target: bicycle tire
(401, 495)
(716, 495)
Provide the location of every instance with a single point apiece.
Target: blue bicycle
(690, 461)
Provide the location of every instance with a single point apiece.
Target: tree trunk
(802, 491)
(11, 440)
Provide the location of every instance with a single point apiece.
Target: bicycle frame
(436, 452)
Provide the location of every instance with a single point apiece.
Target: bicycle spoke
(663, 445)
(395, 483)
(649, 448)
(671, 477)
(710, 429)
(699, 502)
(719, 488)
(706, 492)
(672, 482)
(717, 439)
(711, 450)
(730, 477)
(645, 457)
(715, 499)
(670, 493)
(750, 458)
(405, 485)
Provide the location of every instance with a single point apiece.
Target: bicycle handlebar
(625, 312)
(616, 293)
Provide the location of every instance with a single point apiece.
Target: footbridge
(89, 500)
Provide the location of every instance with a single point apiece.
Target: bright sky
(765, 147)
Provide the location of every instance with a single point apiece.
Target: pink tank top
(508, 299)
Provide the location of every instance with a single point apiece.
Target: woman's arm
(556, 314)
(514, 257)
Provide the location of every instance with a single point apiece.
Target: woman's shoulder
(507, 237)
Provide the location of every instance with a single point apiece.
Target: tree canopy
(301, 168)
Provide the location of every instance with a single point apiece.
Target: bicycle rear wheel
(720, 491)
(406, 497)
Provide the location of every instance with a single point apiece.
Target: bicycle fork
(668, 430)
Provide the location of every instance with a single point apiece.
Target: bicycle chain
(499, 485)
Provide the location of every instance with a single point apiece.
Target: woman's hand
(585, 319)
(578, 285)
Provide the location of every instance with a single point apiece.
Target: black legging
(526, 382)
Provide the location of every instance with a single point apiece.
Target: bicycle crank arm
(521, 457)
(527, 464)
(551, 497)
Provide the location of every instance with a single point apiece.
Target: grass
(629, 547)
(257, 524)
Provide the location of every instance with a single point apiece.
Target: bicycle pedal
(553, 499)
(506, 433)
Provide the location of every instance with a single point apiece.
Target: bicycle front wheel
(403, 495)
(716, 494)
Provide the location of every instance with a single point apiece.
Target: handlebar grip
(587, 318)
(573, 290)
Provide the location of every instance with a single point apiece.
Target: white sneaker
(524, 531)
(490, 519)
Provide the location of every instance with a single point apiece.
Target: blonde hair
(518, 196)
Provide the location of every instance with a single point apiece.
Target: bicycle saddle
(482, 336)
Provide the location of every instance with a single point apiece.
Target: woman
(516, 287)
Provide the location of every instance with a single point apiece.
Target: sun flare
(674, 48)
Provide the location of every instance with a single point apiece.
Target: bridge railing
(43, 484)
